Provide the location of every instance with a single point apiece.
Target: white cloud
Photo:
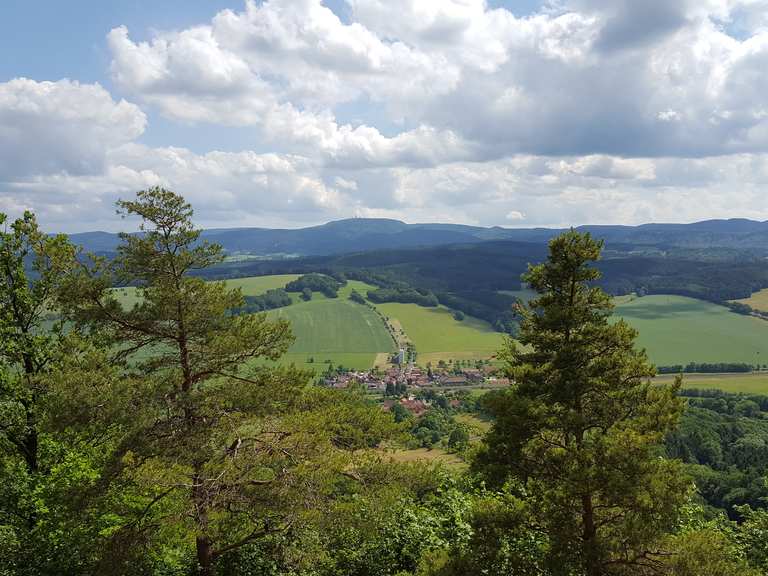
(587, 111)
(60, 126)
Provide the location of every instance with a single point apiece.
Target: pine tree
(582, 424)
(224, 450)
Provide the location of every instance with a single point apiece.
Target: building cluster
(399, 378)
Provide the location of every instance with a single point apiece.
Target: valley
(674, 330)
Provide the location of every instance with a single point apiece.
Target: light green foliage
(503, 539)
(706, 552)
(583, 425)
(678, 330)
(37, 470)
(389, 521)
(222, 451)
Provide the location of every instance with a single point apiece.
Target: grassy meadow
(678, 330)
(756, 383)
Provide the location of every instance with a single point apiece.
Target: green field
(736, 383)
(256, 285)
(335, 329)
(673, 329)
(252, 286)
(438, 336)
(678, 330)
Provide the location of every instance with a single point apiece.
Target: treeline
(270, 300)
(404, 295)
(467, 277)
(314, 282)
(495, 308)
(726, 402)
(706, 368)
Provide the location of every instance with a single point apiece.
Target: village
(407, 382)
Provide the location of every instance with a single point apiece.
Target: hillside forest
(165, 438)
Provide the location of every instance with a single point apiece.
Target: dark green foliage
(706, 368)
(432, 427)
(240, 445)
(355, 296)
(726, 448)
(403, 295)
(163, 449)
(315, 283)
(459, 438)
(740, 308)
(270, 300)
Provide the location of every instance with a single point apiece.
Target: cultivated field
(758, 300)
(756, 383)
(673, 329)
(335, 329)
(438, 336)
(326, 329)
(678, 330)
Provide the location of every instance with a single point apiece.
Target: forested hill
(365, 234)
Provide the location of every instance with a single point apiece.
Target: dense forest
(160, 439)
(474, 277)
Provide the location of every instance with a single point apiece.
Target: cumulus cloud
(61, 126)
(593, 77)
(584, 111)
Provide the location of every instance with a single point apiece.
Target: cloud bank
(586, 111)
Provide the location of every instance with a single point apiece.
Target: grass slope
(678, 330)
(335, 329)
(438, 336)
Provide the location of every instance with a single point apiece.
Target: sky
(290, 113)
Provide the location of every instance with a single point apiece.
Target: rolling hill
(365, 234)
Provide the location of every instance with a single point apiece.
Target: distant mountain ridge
(365, 234)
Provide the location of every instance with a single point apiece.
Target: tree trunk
(30, 451)
(590, 554)
(203, 544)
(204, 556)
